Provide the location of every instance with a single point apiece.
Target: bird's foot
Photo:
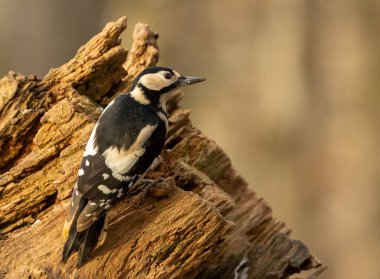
(157, 189)
(144, 186)
(150, 185)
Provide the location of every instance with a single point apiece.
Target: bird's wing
(103, 178)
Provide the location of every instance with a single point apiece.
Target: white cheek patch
(121, 161)
(154, 81)
(157, 81)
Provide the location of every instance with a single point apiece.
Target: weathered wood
(202, 222)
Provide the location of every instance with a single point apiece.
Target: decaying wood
(202, 222)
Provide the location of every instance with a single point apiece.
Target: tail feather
(84, 241)
(72, 245)
(74, 238)
(90, 240)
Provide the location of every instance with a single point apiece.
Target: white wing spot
(120, 177)
(87, 163)
(130, 184)
(120, 193)
(107, 206)
(76, 192)
(105, 189)
(93, 203)
(81, 172)
(105, 176)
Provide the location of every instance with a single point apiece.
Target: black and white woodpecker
(129, 135)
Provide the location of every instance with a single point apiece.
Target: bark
(202, 222)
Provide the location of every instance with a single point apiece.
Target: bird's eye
(168, 75)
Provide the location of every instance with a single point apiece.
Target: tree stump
(203, 222)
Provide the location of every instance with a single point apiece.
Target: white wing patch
(105, 189)
(90, 148)
(120, 177)
(121, 161)
(120, 193)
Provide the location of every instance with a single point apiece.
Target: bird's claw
(149, 184)
(144, 186)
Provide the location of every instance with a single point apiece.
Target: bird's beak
(184, 81)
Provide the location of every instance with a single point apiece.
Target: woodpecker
(128, 137)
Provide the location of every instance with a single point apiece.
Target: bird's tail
(90, 240)
(73, 236)
(84, 241)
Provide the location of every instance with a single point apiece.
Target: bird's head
(153, 83)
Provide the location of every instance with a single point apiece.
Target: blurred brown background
(291, 95)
